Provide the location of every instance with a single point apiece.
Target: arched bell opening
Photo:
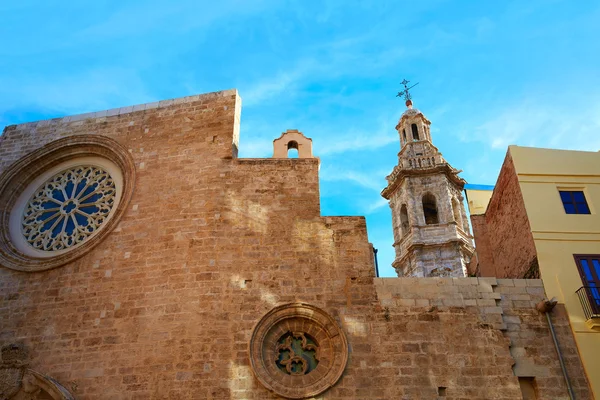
(404, 220)
(457, 214)
(292, 149)
(415, 132)
(430, 211)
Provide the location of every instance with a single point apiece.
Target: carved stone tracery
(68, 208)
(298, 351)
(18, 185)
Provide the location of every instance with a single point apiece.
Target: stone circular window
(61, 210)
(68, 208)
(298, 351)
(61, 200)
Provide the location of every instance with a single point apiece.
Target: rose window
(68, 208)
(298, 351)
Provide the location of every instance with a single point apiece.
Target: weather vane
(406, 92)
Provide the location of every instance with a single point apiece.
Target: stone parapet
(125, 110)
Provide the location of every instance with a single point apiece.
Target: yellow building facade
(560, 193)
(478, 197)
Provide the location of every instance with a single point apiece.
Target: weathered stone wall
(165, 306)
(507, 226)
(465, 334)
(208, 123)
(435, 260)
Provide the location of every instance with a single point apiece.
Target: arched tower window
(457, 214)
(430, 209)
(404, 220)
(292, 149)
(404, 134)
(415, 131)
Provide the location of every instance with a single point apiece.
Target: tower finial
(406, 92)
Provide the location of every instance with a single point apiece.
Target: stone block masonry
(468, 334)
(164, 307)
(431, 232)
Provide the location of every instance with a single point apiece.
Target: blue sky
(491, 73)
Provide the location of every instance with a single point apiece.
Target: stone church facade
(142, 259)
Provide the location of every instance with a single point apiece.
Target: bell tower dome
(431, 230)
(413, 126)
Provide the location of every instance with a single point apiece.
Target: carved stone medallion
(298, 351)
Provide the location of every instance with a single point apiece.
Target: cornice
(418, 114)
(398, 174)
(465, 246)
(424, 141)
(126, 110)
(292, 131)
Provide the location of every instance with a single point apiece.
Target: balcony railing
(589, 296)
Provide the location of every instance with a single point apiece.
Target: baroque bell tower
(431, 229)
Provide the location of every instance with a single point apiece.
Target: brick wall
(484, 262)
(165, 306)
(507, 227)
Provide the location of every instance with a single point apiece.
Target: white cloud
(350, 56)
(88, 91)
(271, 87)
(482, 168)
(376, 205)
(534, 123)
(369, 180)
(138, 18)
(328, 141)
(354, 142)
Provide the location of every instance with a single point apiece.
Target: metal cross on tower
(406, 92)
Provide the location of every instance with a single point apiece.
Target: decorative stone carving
(298, 351)
(68, 208)
(11, 370)
(113, 170)
(295, 355)
(17, 382)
